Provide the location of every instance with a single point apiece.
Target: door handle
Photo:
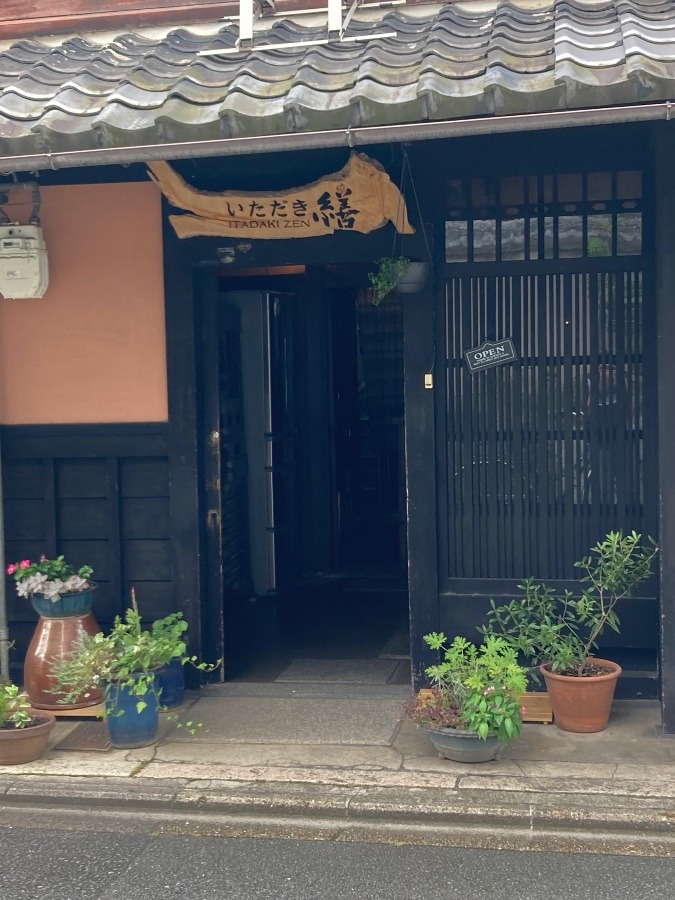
(213, 518)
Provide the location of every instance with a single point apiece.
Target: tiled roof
(458, 60)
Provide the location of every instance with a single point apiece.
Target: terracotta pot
(582, 704)
(23, 745)
(53, 638)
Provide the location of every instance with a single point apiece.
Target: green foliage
(128, 657)
(563, 630)
(388, 274)
(474, 688)
(14, 706)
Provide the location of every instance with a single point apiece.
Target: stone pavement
(337, 760)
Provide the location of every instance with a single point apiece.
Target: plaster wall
(93, 348)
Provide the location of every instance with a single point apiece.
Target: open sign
(489, 354)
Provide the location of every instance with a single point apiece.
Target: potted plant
(169, 636)
(473, 707)
(62, 595)
(24, 732)
(396, 273)
(124, 664)
(560, 633)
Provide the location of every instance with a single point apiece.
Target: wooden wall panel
(99, 495)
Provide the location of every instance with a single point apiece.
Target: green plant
(563, 630)
(474, 688)
(168, 636)
(14, 707)
(49, 577)
(387, 276)
(127, 656)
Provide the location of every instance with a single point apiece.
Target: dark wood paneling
(147, 560)
(145, 517)
(64, 494)
(144, 477)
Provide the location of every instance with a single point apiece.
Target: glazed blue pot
(66, 605)
(127, 727)
(171, 685)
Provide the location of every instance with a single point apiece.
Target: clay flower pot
(24, 745)
(582, 704)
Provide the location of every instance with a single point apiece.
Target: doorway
(304, 479)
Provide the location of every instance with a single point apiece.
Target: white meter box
(24, 272)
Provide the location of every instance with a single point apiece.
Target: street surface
(92, 861)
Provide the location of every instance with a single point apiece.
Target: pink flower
(11, 569)
(24, 564)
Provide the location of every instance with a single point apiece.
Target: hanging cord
(406, 165)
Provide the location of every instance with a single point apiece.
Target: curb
(483, 818)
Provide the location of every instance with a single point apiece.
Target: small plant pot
(465, 746)
(128, 728)
(582, 704)
(78, 604)
(24, 745)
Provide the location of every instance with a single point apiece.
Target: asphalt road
(89, 863)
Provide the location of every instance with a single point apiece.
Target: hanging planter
(397, 273)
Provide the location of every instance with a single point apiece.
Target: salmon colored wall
(93, 348)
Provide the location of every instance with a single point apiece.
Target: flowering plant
(474, 688)
(50, 578)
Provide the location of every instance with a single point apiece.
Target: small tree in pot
(560, 633)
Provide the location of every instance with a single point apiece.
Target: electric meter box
(24, 272)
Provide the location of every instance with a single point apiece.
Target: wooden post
(418, 361)
(664, 242)
(183, 433)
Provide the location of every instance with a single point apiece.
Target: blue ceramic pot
(127, 727)
(171, 683)
(66, 605)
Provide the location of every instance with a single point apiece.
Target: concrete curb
(521, 820)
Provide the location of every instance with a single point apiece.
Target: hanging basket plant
(389, 272)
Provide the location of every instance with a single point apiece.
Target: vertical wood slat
(50, 501)
(541, 477)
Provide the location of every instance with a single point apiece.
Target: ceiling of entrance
(444, 62)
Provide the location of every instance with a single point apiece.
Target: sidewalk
(336, 760)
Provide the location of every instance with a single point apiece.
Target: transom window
(560, 216)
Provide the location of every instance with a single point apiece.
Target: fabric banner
(360, 197)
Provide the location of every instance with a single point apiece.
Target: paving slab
(283, 755)
(339, 671)
(294, 721)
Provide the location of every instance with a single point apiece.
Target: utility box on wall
(24, 271)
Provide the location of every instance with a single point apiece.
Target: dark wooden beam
(420, 465)
(184, 500)
(664, 237)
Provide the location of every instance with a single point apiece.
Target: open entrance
(304, 477)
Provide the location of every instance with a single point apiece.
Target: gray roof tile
(459, 61)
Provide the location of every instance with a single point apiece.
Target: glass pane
(570, 236)
(513, 239)
(455, 195)
(599, 235)
(484, 240)
(548, 237)
(482, 192)
(599, 186)
(629, 185)
(456, 248)
(511, 191)
(629, 234)
(569, 188)
(534, 239)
